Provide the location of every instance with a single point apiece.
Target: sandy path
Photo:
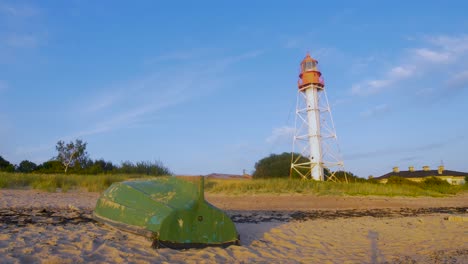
(310, 202)
(35, 198)
(419, 239)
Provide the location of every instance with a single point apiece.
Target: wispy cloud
(440, 51)
(432, 55)
(146, 97)
(303, 42)
(458, 81)
(22, 151)
(127, 117)
(21, 41)
(375, 86)
(411, 158)
(427, 91)
(21, 28)
(451, 44)
(182, 55)
(280, 134)
(362, 64)
(101, 102)
(177, 55)
(377, 110)
(411, 149)
(228, 61)
(19, 10)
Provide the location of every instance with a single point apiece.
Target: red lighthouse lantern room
(310, 75)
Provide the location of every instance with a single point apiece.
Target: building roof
(422, 174)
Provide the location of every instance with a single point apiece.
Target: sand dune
(424, 238)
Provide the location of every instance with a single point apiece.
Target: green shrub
(397, 180)
(6, 166)
(273, 166)
(434, 181)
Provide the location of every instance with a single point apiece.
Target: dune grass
(62, 182)
(286, 186)
(98, 183)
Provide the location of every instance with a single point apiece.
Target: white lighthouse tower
(316, 153)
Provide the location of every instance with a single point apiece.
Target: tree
(26, 166)
(72, 154)
(99, 166)
(5, 165)
(275, 166)
(155, 168)
(51, 166)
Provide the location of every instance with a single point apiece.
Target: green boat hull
(170, 210)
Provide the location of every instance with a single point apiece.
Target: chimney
(441, 169)
(426, 168)
(396, 169)
(411, 168)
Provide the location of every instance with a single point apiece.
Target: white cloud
(370, 87)
(375, 86)
(401, 72)
(451, 44)
(433, 56)
(281, 134)
(440, 53)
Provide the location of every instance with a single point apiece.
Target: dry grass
(54, 182)
(98, 183)
(286, 186)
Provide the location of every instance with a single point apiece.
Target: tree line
(73, 158)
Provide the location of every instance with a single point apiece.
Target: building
(452, 177)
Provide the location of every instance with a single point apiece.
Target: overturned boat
(172, 211)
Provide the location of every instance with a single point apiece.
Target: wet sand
(40, 227)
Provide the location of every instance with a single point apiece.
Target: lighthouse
(316, 154)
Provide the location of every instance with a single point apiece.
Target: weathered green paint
(169, 209)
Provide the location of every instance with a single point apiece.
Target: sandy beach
(41, 227)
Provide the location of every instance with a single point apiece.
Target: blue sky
(210, 86)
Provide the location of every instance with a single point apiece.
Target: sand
(274, 229)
